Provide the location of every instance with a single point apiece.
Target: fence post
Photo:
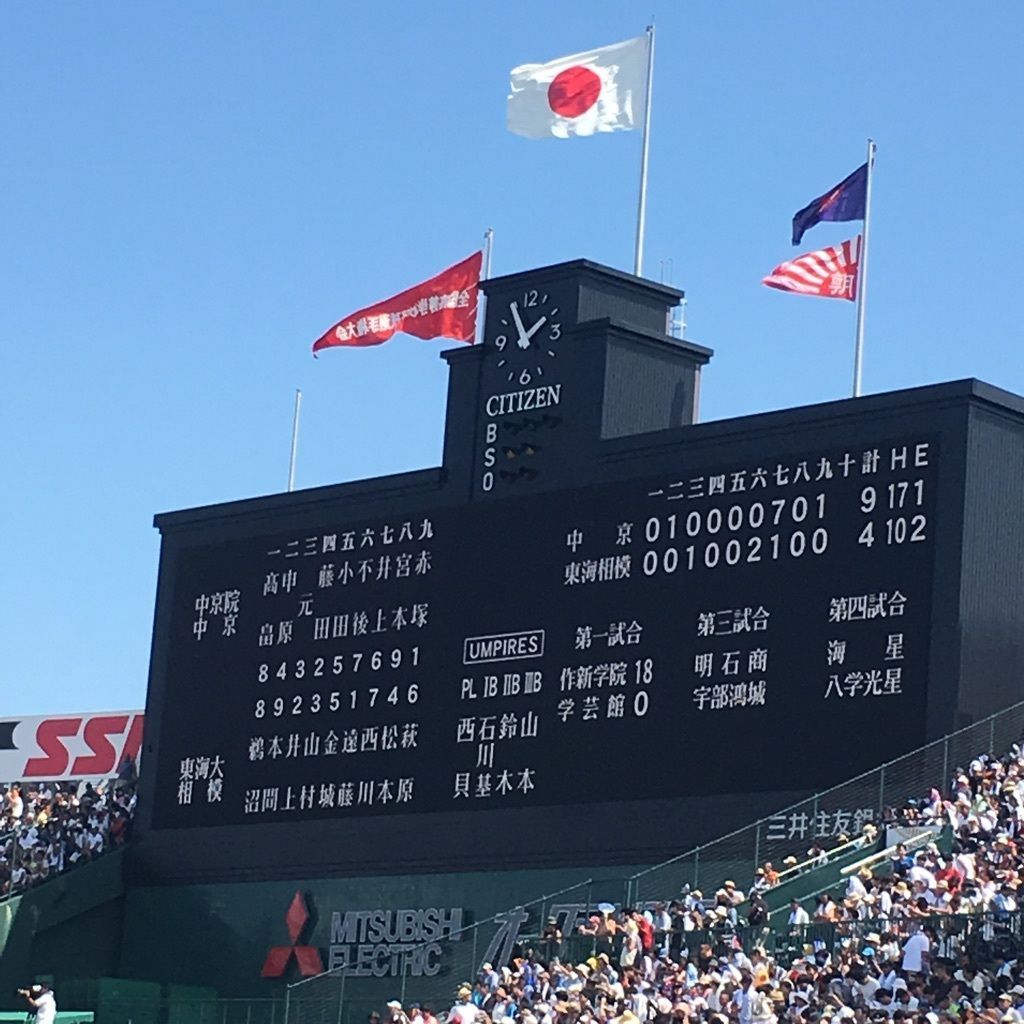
(287, 1004)
(696, 868)
(881, 790)
(992, 736)
(757, 848)
(945, 765)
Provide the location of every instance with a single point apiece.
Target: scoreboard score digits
(500, 654)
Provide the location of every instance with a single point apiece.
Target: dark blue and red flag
(845, 201)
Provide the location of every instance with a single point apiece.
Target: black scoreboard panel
(597, 634)
(574, 647)
(392, 676)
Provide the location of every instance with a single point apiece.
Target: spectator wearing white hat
(41, 1002)
(1009, 1012)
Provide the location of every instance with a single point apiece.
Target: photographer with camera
(42, 1005)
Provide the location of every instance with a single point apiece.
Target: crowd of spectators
(983, 872)
(50, 827)
(902, 943)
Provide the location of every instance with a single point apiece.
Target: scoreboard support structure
(599, 633)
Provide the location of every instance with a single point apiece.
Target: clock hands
(523, 341)
(535, 328)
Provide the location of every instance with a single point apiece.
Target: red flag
(831, 273)
(443, 307)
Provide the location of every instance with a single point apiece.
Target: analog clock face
(529, 328)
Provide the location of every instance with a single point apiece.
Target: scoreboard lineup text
(538, 651)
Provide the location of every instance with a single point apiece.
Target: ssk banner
(51, 748)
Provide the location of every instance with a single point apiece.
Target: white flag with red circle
(596, 91)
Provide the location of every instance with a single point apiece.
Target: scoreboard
(600, 632)
(481, 657)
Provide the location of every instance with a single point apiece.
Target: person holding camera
(42, 1005)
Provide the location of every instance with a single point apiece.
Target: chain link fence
(824, 817)
(980, 935)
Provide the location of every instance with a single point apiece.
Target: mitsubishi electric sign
(389, 943)
(368, 943)
(409, 942)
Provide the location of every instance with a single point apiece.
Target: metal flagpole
(641, 212)
(486, 273)
(295, 440)
(862, 274)
(488, 247)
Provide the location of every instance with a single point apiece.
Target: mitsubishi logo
(307, 957)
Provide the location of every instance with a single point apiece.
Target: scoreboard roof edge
(615, 328)
(778, 420)
(588, 268)
(432, 480)
(997, 396)
(394, 485)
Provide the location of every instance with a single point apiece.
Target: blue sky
(190, 193)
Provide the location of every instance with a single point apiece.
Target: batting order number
(354, 661)
(314, 703)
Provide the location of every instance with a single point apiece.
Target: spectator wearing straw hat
(464, 1010)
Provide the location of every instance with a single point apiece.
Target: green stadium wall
(219, 934)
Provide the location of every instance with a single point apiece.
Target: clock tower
(572, 354)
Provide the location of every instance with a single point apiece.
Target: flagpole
(862, 285)
(488, 248)
(481, 300)
(295, 440)
(641, 213)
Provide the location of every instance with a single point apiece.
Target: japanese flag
(597, 91)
